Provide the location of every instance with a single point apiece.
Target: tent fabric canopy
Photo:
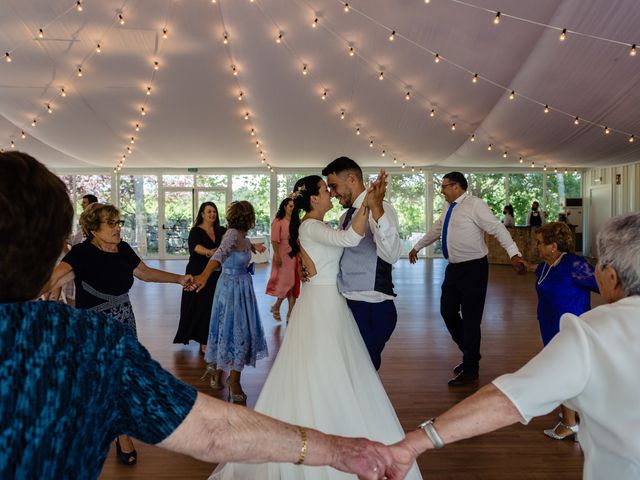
(194, 118)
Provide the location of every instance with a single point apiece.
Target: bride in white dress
(322, 377)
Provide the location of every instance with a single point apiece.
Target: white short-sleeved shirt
(592, 365)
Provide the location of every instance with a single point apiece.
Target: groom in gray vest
(365, 270)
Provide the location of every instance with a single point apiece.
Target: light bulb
(98, 48)
(148, 90)
(546, 109)
(132, 140)
(512, 95)
(40, 33)
(79, 72)
(346, 7)
(521, 160)
(352, 52)
(315, 23)
(121, 19)
(246, 116)
(13, 145)
(7, 57)
(137, 127)
(453, 126)
(427, 1)
(497, 19)
(324, 95)
(225, 39)
(304, 69)
(143, 112)
(49, 109)
(357, 130)
(504, 155)
(436, 58)
(395, 160)
(381, 76)
(566, 171)
(563, 35)
(156, 65)
(257, 144)
(555, 170)
(240, 96)
(383, 153)
(234, 70)
(533, 164)
(473, 137)
(342, 115)
(279, 38)
(165, 33)
(392, 36)
(576, 121)
(432, 113)
(404, 165)
(63, 93)
(632, 139)
(490, 147)
(129, 150)
(407, 96)
(544, 167)
(23, 135)
(79, 5)
(633, 51)
(607, 131)
(371, 143)
(253, 132)
(34, 122)
(474, 79)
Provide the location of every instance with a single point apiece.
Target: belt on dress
(110, 301)
(240, 270)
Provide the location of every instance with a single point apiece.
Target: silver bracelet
(432, 433)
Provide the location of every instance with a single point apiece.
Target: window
(559, 188)
(139, 210)
(407, 194)
(255, 189)
(524, 189)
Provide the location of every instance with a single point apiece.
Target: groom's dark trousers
(376, 322)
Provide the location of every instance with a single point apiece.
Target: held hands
(369, 460)
(519, 265)
(187, 282)
(375, 195)
(198, 283)
(413, 256)
(260, 247)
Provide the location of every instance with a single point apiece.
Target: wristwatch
(432, 433)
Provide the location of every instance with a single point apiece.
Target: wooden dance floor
(416, 365)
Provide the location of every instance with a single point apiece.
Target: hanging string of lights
(241, 95)
(475, 77)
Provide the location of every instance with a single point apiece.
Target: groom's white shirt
(387, 239)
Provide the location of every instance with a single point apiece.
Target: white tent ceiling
(195, 120)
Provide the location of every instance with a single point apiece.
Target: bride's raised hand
(375, 195)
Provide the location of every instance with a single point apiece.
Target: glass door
(216, 195)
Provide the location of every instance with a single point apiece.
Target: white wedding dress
(322, 377)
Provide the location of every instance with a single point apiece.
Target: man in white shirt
(599, 355)
(365, 271)
(461, 226)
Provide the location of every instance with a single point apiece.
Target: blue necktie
(347, 217)
(445, 227)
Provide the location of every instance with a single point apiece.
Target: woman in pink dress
(284, 282)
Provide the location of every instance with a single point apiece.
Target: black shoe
(464, 378)
(458, 368)
(128, 458)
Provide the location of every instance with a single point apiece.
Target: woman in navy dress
(236, 336)
(195, 308)
(564, 282)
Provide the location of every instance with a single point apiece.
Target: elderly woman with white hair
(600, 354)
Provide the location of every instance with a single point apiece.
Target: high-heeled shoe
(214, 382)
(126, 458)
(238, 398)
(573, 432)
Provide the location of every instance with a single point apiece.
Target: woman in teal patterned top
(71, 380)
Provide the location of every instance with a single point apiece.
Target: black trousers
(376, 322)
(461, 305)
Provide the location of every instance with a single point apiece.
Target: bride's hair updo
(301, 196)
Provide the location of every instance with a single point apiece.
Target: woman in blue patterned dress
(236, 336)
(564, 282)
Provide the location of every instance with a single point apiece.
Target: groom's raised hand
(375, 195)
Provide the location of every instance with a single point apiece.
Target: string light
(40, 33)
(137, 128)
(563, 35)
(352, 52)
(432, 113)
(49, 109)
(490, 147)
(246, 116)
(132, 140)
(234, 70)
(383, 153)
(546, 109)
(63, 93)
(129, 150)
(34, 122)
(257, 144)
(544, 167)
(240, 96)
(121, 19)
(165, 33)
(149, 90)
(521, 160)
(357, 130)
(304, 69)
(98, 48)
(346, 7)
(496, 20)
(475, 78)
(633, 51)
(453, 126)
(407, 96)
(392, 36)
(156, 65)
(253, 132)
(533, 165)
(555, 170)
(79, 72)
(512, 95)
(315, 23)
(371, 143)
(79, 5)
(566, 171)
(576, 121)
(473, 137)
(341, 114)
(436, 58)
(324, 95)
(7, 57)
(225, 38)
(381, 76)
(143, 112)
(13, 145)
(607, 131)
(632, 139)
(404, 165)
(23, 135)
(395, 160)
(279, 38)
(504, 155)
